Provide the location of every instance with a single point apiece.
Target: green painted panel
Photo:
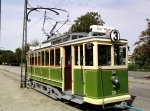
(45, 72)
(52, 83)
(38, 71)
(123, 76)
(42, 72)
(47, 81)
(107, 82)
(36, 78)
(95, 87)
(30, 70)
(55, 73)
(111, 89)
(93, 84)
(78, 82)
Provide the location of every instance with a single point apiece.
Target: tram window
(104, 55)
(76, 55)
(74, 37)
(57, 58)
(66, 39)
(32, 59)
(89, 54)
(39, 58)
(47, 58)
(42, 58)
(28, 59)
(120, 54)
(81, 36)
(35, 58)
(52, 57)
(81, 54)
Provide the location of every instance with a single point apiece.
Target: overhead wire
(48, 19)
(35, 23)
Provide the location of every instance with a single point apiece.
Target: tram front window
(104, 55)
(120, 54)
(89, 54)
(76, 55)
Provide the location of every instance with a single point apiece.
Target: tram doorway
(68, 68)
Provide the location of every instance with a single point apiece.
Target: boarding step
(67, 95)
(77, 99)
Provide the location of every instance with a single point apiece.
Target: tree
(7, 57)
(35, 43)
(18, 55)
(141, 53)
(83, 23)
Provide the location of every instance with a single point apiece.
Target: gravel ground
(13, 98)
(139, 75)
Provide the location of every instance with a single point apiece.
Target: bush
(137, 67)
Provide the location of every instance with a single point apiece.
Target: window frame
(57, 65)
(111, 62)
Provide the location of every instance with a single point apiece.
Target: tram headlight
(115, 79)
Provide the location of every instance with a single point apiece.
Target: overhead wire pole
(21, 82)
(0, 23)
(25, 52)
(24, 49)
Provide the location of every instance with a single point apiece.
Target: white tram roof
(96, 31)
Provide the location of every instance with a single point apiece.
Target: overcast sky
(128, 16)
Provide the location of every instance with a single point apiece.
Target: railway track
(11, 74)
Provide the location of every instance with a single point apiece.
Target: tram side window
(57, 58)
(32, 62)
(39, 58)
(76, 55)
(52, 57)
(89, 54)
(35, 58)
(81, 54)
(42, 58)
(47, 58)
(120, 54)
(104, 55)
(30, 59)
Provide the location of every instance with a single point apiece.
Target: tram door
(68, 67)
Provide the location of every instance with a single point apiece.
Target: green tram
(82, 67)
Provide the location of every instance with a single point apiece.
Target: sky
(127, 16)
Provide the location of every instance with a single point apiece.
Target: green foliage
(141, 54)
(10, 58)
(83, 23)
(7, 57)
(136, 67)
(18, 55)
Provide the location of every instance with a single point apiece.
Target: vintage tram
(81, 67)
